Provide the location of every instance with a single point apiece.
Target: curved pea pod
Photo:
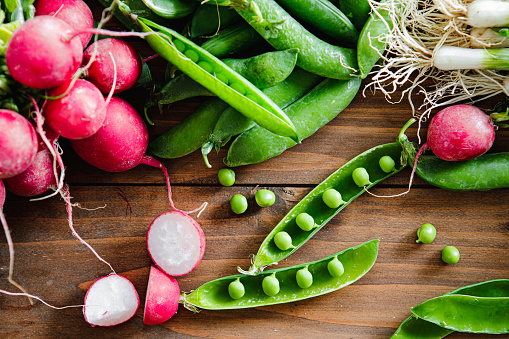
(324, 16)
(252, 103)
(309, 113)
(232, 123)
(466, 313)
(213, 295)
(415, 327)
(127, 7)
(371, 44)
(171, 9)
(356, 10)
(208, 20)
(488, 171)
(341, 180)
(264, 70)
(282, 31)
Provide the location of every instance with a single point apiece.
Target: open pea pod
(341, 180)
(214, 295)
(218, 78)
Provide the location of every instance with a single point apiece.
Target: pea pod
(309, 113)
(283, 32)
(415, 327)
(324, 16)
(208, 20)
(214, 295)
(254, 104)
(312, 204)
(488, 171)
(357, 11)
(265, 70)
(232, 123)
(171, 9)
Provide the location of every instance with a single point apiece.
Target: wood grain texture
(116, 209)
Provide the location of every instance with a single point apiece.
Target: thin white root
(37, 298)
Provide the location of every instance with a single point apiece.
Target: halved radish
(162, 298)
(110, 301)
(176, 243)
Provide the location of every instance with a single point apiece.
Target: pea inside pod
(214, 294)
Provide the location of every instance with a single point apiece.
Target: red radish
(2, 194)
(41, 53)
(78, 114)
(18, 143)
(176, 243)
(162, 298)
(460, 132)
(102, 70)
(110, 301)
(75, 12)
(36, 179)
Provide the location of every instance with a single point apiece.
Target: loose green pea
(226, 176)
(221, 77)
(426, 234)
(238, 203)
(179, 45)
(283, 241)
(238, 87)
(450, 255)
(207, 67)
(304, 278)
(270, 285)
(332, 198)
(305, 222)
(387, 164)
(265, 198)
(335, 268)
(192, 55)
(236, 289)
(360, 176)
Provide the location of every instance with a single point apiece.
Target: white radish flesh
(176, 243)
(110, 301)
(162, 298)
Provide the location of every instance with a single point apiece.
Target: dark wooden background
(52, 264)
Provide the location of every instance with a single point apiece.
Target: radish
(460, 132)
(42, 54)
(110, 301)
(162, 298)
(78, 114)
(18, 143)
(74, 12)
(102, 69)
(2, 194)
(176, 243)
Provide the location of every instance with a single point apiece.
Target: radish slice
(176, 243)
(110, 300)
(162, 298)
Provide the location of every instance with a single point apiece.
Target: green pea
(238, 87)
(335, 268)
(283, 241)
(360, 176)
(270, 285)
(252, 97)
(221, 77)
(179, 45)
(236, 289)
(226, 176)
(426, 233)
(305, 222)
(450, 255)
(332, 198)
(387, 164)
(192, 55)
(206, 66)
(265, 198)
(304, 278)
(238, 203)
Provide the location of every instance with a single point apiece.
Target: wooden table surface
(118, 207)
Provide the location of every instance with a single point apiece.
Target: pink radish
(110, 301)
(176, 243)
(102, 70)
(75, 12)
(460, 132)
(18, 143)
(162, 298)
(36, 179)
(2, 194)
(42, 53)
(79, 113)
